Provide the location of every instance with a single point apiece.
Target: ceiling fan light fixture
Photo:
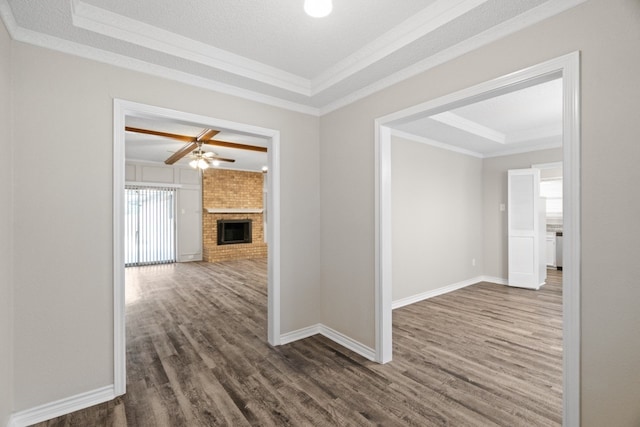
(199, 163)
(203, 164)
(318, 8)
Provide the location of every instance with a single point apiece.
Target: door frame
(122, 109)
(567, 67)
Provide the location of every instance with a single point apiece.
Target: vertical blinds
(150, 231)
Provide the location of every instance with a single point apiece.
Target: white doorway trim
(567, 67)
(122, 109)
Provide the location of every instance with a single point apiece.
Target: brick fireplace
(231, 198)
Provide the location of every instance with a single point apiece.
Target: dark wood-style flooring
(484, 355)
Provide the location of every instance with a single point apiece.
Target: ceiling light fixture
(200, 163)
(201, 158)
(318, 8)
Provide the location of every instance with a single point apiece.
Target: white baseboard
(446, 289)
(496, 280)
(435, 292)
(333, 335)
(350, 343)
(61, 407)
(300, 334)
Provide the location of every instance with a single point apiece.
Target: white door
(523, 199)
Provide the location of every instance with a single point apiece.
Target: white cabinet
(551, 249)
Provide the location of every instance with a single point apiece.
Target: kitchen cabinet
(551, 249)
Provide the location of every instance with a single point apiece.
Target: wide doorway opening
(565, 68)
(175, 174)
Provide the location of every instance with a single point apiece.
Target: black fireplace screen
(232, 231)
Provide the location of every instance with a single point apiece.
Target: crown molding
(429, 19)
(119, 27)
(87, 15)
(434, 143)
(6, 14)
(469, 126)
(536, 133)
(522, 150)
(35, 38)
(456, 149)
(511, 26)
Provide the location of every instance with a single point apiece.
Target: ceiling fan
(200, 158)
(203, 159)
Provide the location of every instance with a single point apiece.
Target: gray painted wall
(436, 217)
(446, 212)
(63, 308)
(608, 35)
(6, 212)
(63, 211)
(494, 177)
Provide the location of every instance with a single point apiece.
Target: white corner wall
(608, 35)
(494, 177)
(6, 239)
(436, 215)
(63, 213)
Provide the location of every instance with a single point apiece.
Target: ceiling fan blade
(186, 149)
(206, 135)
(192, 145)
(183, 138)
(222, 159)
(217, 142)
(193, 142)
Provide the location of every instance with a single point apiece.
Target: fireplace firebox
(233, 231)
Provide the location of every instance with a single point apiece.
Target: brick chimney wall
(223, 188)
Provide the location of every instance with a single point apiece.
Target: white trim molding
(435, 292)
(531, 17)
(62, 407)
(568, 68)
(333, 335)
(287, 88)
(123, 109)
(469, 126)
(434, 16)
(300, 334)
(434, 143)
(495, 280)
(402, 302)
(347, 342)
(119, 332)
(455, 149)
(110, 24)
(234, 210)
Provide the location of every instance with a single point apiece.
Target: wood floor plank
(485, 355)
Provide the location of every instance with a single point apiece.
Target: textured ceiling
(270, 51)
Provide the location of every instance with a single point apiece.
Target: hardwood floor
(484, 355)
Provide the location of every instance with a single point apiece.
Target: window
(551, 190)
(149, 225)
